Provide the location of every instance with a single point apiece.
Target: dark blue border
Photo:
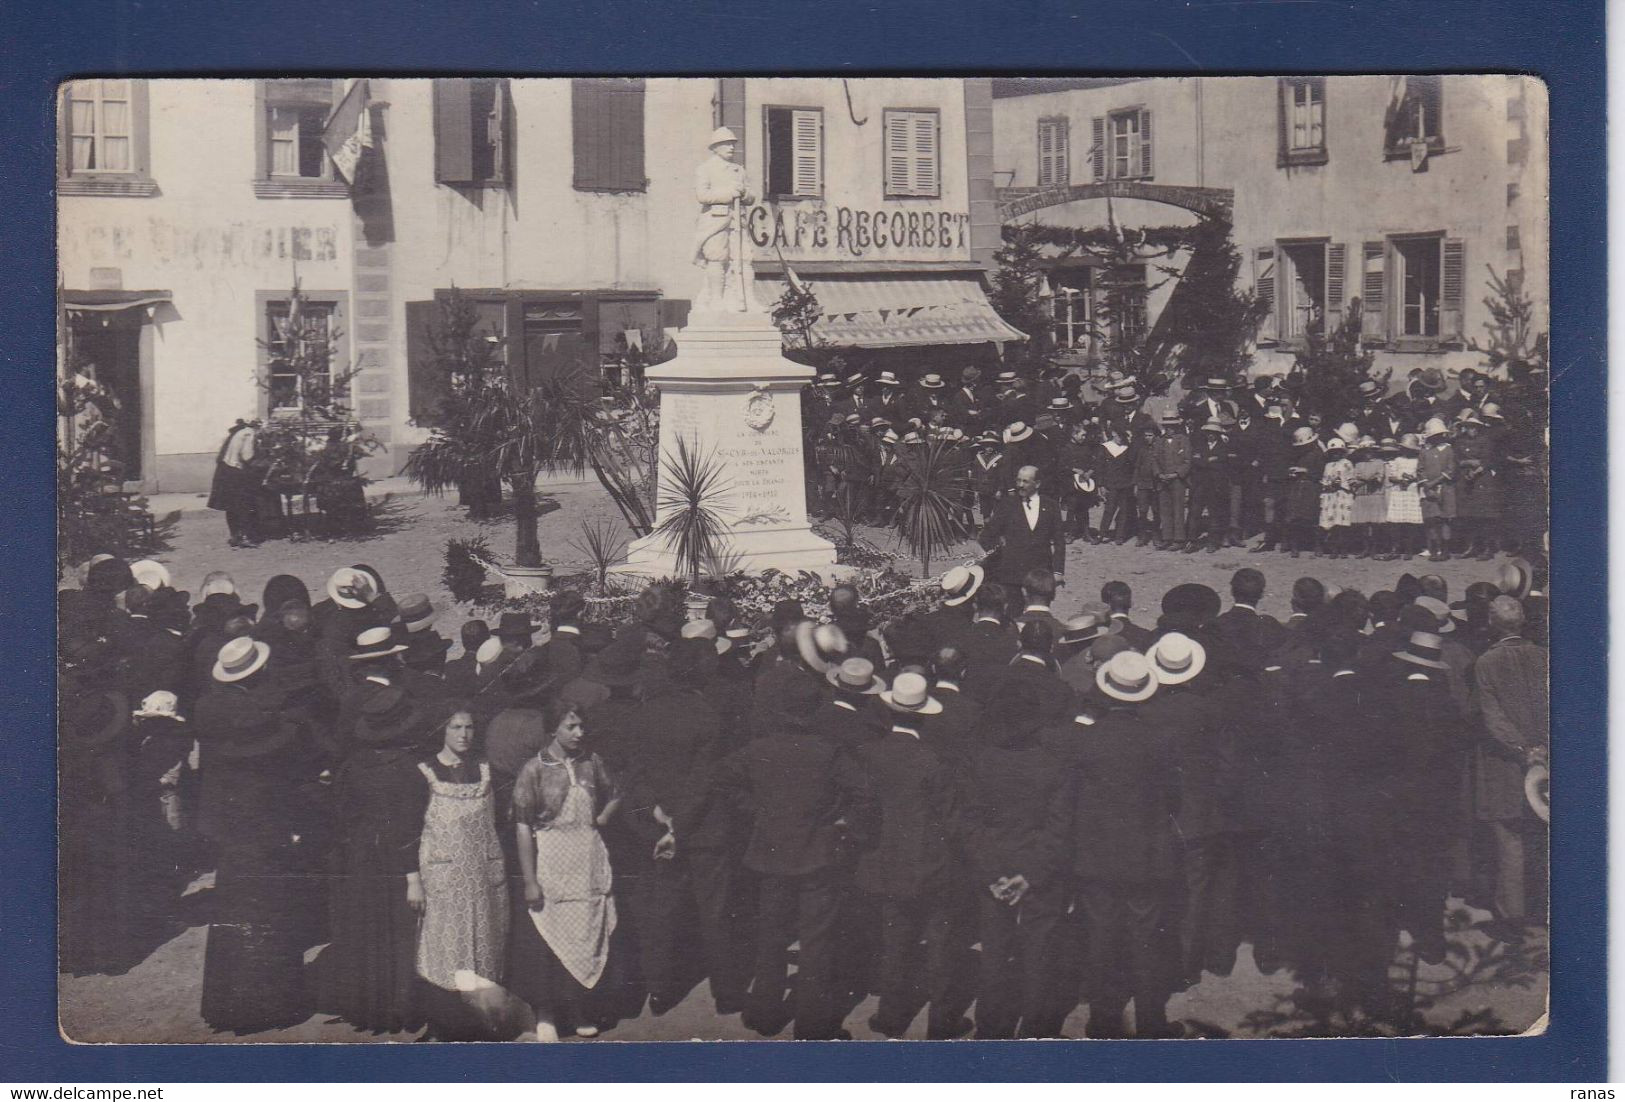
(1560, 41)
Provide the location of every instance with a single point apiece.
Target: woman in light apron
(561, 800)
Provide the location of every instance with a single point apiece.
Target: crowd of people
(993, 810)
(1381, 471)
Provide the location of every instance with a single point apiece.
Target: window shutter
(589, 137)
(453, 144)
(1452, 287)
(502, 132)
(1283, 107)
(1145, 142)
(897, 154)
(1046, 153)
(1063, 152)
(1097, 150)
(1373, 275)
(1264, 287)
(422, 375)
(925, 154)
(807, 155)
(625, 153)
(1336, 263)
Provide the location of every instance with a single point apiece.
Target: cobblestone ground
(1481, 987)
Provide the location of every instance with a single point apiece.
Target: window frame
(1435, 141)
(1286, 287)
(448, 93)
(1288, 155)
(1076, 299)
(136, 181)
(1397, 308)
(338, 304)
(768, 193)
(886, 116)
(607, 182)
(294, 92)
(1105, 167)
(1060, 127)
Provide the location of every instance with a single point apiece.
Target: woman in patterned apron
(562, 799)
(462, 943)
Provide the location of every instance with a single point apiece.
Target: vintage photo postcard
(607, 559)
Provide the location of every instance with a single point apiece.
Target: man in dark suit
(1025, 533)
(1119, 598)
(1251, 635)
(907, 869)
(1035, 673)
(799, 787)
(460, 671)
(957, 732)
(1038, 588)
(950, 622)
(990, 643)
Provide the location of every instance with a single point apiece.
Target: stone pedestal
(730, 394)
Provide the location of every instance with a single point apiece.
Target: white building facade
(1403, 193)
(563, 207)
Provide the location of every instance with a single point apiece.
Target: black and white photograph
(929, 558)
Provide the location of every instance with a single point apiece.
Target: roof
(901, 310)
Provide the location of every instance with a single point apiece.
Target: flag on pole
(349, 131)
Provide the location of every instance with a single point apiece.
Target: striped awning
(900, 309)
(111, 301)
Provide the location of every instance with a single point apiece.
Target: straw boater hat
(989, 437)
(888, 379)
(1213, 424)
(1083, 483)
(1091, 623)
(1171, 417)
(1489, 411)
(351, 588)
(489, 651)
(1127, 677)
(827, 378)
(1516, 578)
(1214, 382)
(820, 644)
(857, 378)
(889, 436)
(151, 574)
(933, 382)
(239, 658)
(375, 643)
(1016, 432)
(1429, 378)
(1126, 392)
(706, 629)
(1423, 649)
(720, 135)
(1006, 377)
(218, 581)
(1537, 789)
(1388, 445)
(1364, 444)
(1439, 611)
(1434, 427)
(1060, 402)
(856, 675)
(960, 584)
(159, 705)
(416, 613)
(912, 437)
(1369, 388)
(1176, 658)
(912, 694)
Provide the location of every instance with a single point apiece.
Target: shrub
(465, 574)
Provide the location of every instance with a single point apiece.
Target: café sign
(854, 232)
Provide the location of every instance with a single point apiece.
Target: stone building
(563, 207)
(1396, 191)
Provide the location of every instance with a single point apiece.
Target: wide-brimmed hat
(217, 583)
(1369, 388)
(1439, 611)
(890, 436)
(1083, 483)
(1126, 393)
(989, 437)
(149, 573)
(1489, 411)
(1213, 424)
(387, 716)
(1468, 416)
(488, 651)
(159, 705)
(911, 693)
(1410, 442)
(913, 437)
(239, 658)
(96, 720)
(416, 613)
(1006, 377)
(1171, 417)
(376, 642)
(1017, 431)
(1335, 444)
(1176, 658)
(1424, 648)
(1388, 445)
(1364, 444)
(721, 134)
(855, 675)
(933, 382)
(1303, 435)
(1537, 789)
(1434, 427)
(1429, 378)
(1348, 432)
(820, 644)
(1515, 578)
(960, 584)
(827, 378)
(856, 378)
(351, 588)
(1060, 402)
(1127, 676)
(887, 378)
(515, 625)
(1091, 622)
(706, 629)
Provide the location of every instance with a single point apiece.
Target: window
(1415, 113)
(913, 167)
(606, 128)
(1302, 285)
(1302, 118)
(291, 158)
(1122, 300)
(1071, 309)
(104, 138)
(1054, 153)
(1122, 145)
(1414, 288)
(304, 365)
(473, 129)
(794, 164)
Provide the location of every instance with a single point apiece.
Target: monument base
(732, 399)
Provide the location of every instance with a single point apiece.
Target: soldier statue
(719, 239)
